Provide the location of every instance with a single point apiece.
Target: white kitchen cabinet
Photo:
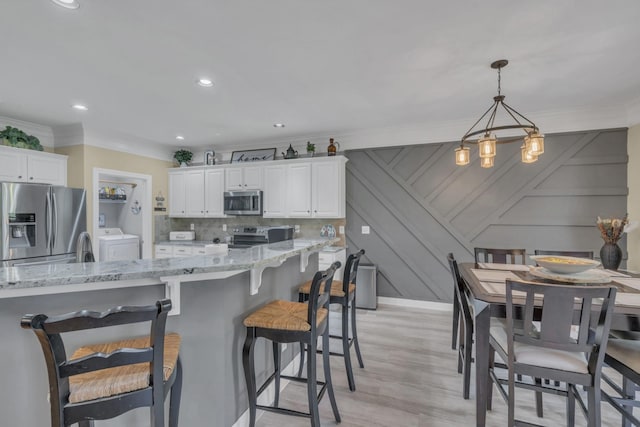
(243, 178)
(274, 204)
(328, 190)
(213, 193)
(328, 256)
(177, 193)
(196, 193)
(163, 251)
(299, 190)
(19, 165)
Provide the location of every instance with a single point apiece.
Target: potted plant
(311, 149)
(14, 137)
(183, 157)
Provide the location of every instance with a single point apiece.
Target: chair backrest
(500, 256)
(563, 306)
(459, 290)
(578, 254)
(351, 270)
(319, 293)
(49, 332)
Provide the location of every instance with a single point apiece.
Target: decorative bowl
(564, 264)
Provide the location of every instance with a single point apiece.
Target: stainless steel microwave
(243, 202)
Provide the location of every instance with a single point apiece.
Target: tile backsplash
(211, 228)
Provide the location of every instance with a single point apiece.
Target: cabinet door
(177, 197)
(194, 193)
(327, 190)
(213, 193)
(13, 166)
(252, 177)
(298, 190)
(275, 191)
(233, 179)
(47, 170)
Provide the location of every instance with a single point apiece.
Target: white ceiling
(323, 68)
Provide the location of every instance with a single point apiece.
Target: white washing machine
(117, 246)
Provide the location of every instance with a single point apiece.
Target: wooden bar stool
(102, 381)
(284, 322)
(343, 293)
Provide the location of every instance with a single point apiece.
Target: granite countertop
(236, 259)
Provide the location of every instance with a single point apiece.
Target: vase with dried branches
(611, 230)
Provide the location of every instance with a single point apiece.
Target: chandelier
(533, 144)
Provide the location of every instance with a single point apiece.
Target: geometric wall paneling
(420, 205)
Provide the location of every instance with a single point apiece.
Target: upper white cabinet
(213, 193)
(196, 192)
(297, 188)
(19, 165)
(274, 203)
(243, 178)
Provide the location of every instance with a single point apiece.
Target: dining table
(485, 286)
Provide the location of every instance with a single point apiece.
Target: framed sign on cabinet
(253, 155)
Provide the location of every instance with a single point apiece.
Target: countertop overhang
(60, 278)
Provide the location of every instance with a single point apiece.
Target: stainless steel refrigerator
(40, 223)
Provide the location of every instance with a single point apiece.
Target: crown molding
(42, 132)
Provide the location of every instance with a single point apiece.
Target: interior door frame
(146, 205)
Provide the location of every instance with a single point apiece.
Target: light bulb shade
(487, 146)
(534, 143)
(527, 156)
(462, 156)
(486, 162)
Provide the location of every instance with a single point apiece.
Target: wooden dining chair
(102, 381)
(501, 256)
(577, 254)
(549, 350)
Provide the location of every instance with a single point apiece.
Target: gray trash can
(366, 292)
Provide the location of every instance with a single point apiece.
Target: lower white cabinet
(328, 257)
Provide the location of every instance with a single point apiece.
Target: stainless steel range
(247, 236)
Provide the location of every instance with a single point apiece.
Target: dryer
(117, 246)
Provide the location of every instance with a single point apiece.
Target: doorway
(122, 200)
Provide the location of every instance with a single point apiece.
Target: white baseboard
(429, 305)
(267, 396)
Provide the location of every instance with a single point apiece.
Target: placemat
(507, 267)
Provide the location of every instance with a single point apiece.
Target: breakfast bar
(214, 294)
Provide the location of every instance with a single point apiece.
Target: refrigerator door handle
(54, 218)
(47, 224)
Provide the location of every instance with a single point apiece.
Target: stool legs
(276, 364)
(250, 374)
(345, 348)
(355, 331)
(85, 424)
(327, 374)
(312, 386)
(176, 392)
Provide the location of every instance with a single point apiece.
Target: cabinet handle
(264, 211)
(201, 211)
(20, 176)
(308, 211)
(182, 211)
(315, 211)
(31, 178)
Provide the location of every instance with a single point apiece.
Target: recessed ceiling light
(80, 107)
(204, 82)
(278, 125)
(180, 138)
(69, 4)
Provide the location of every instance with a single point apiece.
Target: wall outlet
(341, 229)
(366, 229)
(224, 227)
(193, 227)
(283, 347)
(297, 228)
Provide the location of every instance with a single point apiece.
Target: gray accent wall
(420, 205)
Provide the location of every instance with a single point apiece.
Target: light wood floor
(410, 379)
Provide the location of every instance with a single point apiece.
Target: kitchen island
(221, 291)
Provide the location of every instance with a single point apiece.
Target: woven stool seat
(122, 379)
(336, 288)
(284, 315)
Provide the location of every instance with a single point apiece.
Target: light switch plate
(341, 229)
(224, 227)
(366, 229)
(297, 228)
(193, 227)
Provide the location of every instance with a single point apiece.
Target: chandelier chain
(499, 69)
